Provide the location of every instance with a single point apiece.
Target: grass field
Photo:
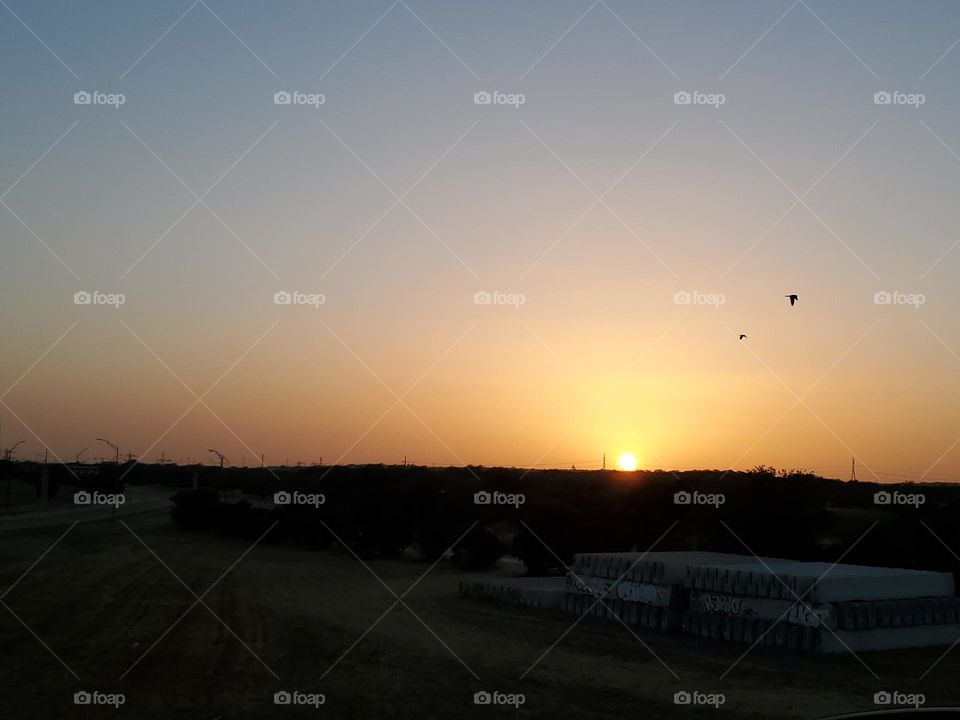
(100, 599)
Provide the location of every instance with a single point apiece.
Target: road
(138, 500)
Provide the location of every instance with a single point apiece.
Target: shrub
(195, 509)
(480, 549)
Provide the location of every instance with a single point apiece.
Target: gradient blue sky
(599, 358)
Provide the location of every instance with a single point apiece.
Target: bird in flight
(793, 299)
(742, 336)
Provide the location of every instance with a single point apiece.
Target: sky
(555, 275)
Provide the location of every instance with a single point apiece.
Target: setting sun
(628, 461)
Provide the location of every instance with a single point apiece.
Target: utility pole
(604, 462)
(853, 469)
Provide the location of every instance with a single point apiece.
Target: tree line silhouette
(385, 510)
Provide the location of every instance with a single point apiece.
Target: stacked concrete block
(761, 608)
(898, 613)
(642, 615)
(625, 590)
(812, 607)
(821, 607)
(771, 623)
(538, 592)
(817, 582)
(659, 568)
(632, 584)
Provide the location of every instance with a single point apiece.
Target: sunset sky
(589, 212)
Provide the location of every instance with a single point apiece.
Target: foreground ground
(101, 605)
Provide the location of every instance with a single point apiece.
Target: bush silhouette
(480, 549)
(195, 509)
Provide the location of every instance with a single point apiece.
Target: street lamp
(219, 475)
(116, 449)
(9, 454)
(219, 455)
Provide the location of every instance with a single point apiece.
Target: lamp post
(220, 455)
(8, 455)
(220, 475)
(116, 449)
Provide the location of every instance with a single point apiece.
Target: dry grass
(100, 600)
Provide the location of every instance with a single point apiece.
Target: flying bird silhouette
(742, 336)
(793, 299)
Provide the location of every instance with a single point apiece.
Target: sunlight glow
(628, 461)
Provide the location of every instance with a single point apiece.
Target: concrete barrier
(539, 592)
(818, 582)
(661, 568)
(791, 612)
(642, 615)
(627, 590)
